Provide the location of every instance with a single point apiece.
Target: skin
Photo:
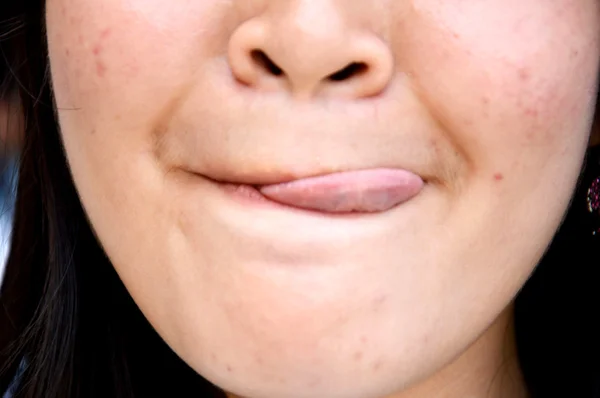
(491, 102)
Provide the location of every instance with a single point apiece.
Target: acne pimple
(97, 50)
(498, 176)
(100, 69)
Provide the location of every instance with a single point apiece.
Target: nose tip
(307, 62)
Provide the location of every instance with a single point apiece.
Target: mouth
(356, 191)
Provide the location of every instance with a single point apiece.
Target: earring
(593, 197)
(593, 200)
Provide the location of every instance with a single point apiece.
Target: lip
(362, 191)
(259, 178)
(249, 195)
(246, 194)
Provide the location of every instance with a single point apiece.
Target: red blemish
(531, 112)
(100, 68)
(498, 177)
(524, 74)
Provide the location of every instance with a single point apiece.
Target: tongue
(371, 190)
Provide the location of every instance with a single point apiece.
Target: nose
(311, 50)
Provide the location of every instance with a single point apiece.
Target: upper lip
(257, 178)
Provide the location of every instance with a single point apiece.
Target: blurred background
(11, 130)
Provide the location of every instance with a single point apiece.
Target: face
(171, 112)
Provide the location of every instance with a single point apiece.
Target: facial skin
(490, 102)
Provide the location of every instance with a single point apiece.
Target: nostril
(353, 69)
(265, 62)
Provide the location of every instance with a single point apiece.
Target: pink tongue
(370, 190)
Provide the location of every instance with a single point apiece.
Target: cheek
(511, 89)
(111, 55)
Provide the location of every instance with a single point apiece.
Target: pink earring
(593, 201)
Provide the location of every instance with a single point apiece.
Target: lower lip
(249, 195)
(246, 193)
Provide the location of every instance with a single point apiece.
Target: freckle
(485, 100)
(498, 177)
(357, 356)
(67, 52)
(229, 368)
(363, 339)
(213, 356)
(93, 131)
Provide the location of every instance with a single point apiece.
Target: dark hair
(69, 328)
